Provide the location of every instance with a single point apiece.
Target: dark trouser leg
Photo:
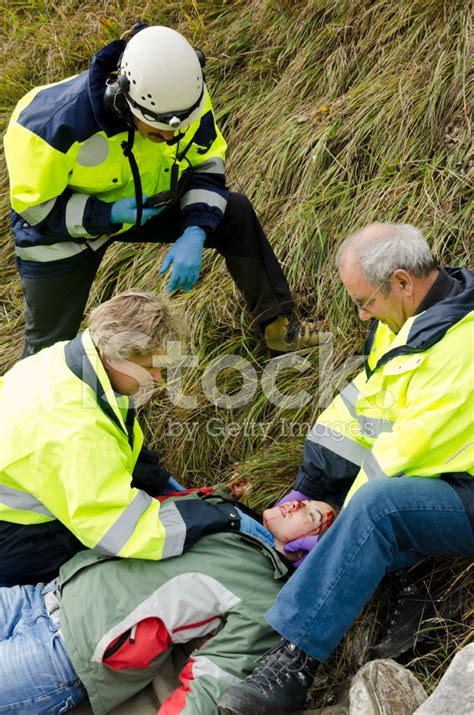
(250, 260)
(240, 239)
(54, 306)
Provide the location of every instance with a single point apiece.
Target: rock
(455, 691)
(361, 638)
(335, 701)
(383, 687)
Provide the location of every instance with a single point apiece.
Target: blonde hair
(134, 324)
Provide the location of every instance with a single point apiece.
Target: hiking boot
(286, 333)
(278, 685)
(423, 603)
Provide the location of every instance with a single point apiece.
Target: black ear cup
(114, 98)
(123, 82)
(201, 57)
(137, 27)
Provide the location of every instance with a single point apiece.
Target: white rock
(383, 687)
(455, 691)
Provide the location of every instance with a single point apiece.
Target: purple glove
(304, 543)
(293, 496)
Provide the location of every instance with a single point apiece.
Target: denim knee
(374, 498)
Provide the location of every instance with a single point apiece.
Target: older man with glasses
(395, 448)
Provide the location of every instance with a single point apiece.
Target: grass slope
(337, 114)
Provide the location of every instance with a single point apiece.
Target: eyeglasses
(363, 306)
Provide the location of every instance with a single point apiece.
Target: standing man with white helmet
(129, 150)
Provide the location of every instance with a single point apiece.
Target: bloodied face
(293, 519)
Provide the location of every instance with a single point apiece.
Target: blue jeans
(387, 525)
(36, 674)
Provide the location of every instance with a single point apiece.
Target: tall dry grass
(337, 114)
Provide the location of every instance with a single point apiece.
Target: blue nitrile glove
(125, 211)
(173, 486)
(186, 256)
(253, 528)
(303, 545)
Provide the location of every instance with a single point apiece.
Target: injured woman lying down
(104, 629)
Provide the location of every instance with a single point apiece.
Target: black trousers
(54, 307)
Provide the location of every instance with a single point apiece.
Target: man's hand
(253, 528)
(294, 495)
(125, 211)
(186, 256)
(300, 547)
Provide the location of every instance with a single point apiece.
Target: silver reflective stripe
(36, 214)
(75, 216)
(16, 499)
(374, 426)
(201, 196)
(373, 469)
(215, 165)
(98, 242)
(55, 252)
(370, 426)
(339, 444)
(349, 396)
(120, 532)
(175, 529)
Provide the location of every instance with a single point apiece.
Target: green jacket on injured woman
(120, 617)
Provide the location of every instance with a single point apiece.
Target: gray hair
(134, 324)
(381, 248)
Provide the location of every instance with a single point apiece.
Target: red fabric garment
(176, 702)
(200, 490)
(149, 640)
(146, 642)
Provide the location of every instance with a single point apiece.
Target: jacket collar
(444, 286)
(431, 325)
(83, 359)
(103, 64)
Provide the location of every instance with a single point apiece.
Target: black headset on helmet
(117, 99)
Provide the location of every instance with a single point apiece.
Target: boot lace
(299, 329)
(283, 662)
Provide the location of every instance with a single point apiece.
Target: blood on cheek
(290, 521)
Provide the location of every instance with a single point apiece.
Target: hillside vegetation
(337, 114)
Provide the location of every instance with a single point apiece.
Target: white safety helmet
(165, 86)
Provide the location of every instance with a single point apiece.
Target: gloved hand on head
(253, 528)
(294, 495)
(298, 524)
(303, 545)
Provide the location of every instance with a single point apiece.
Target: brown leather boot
(286, 333)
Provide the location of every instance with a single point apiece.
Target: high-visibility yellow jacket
(68, 449)
(66, 166)
(409, 412)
